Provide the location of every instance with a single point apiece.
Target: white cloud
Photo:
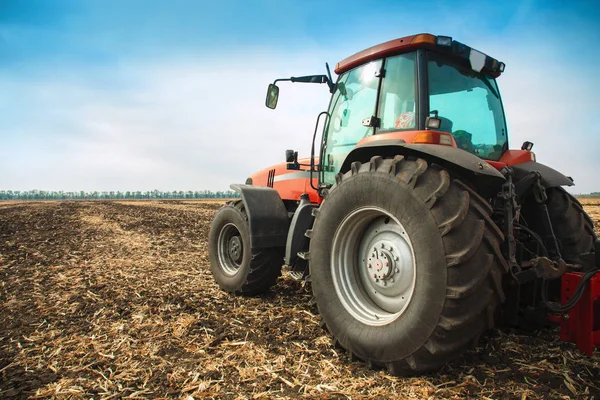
(188, 124)
(199, 123)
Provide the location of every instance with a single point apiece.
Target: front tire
(442, 282)
(236, 267)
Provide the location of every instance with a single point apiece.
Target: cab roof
(444, 44)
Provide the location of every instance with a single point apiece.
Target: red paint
(408, 137)
(290, 189)
(395, 46)
(583, 324)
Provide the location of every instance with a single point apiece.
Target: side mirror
(272, 96)
(290, 156)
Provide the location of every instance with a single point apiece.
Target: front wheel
(405, 264)
(236, 267)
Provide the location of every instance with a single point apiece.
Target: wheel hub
(381, 263)
(235, 248)
(230, 249)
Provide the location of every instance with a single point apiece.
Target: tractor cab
(419, 89)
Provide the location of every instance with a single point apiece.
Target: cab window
(353, 101)
(397, 98)
(469, 105)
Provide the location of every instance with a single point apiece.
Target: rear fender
(267, 216)
(472, 168)
(550, 177)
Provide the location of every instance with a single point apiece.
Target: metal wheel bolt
(397, 270)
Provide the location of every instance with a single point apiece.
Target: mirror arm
(313, 79)
(281, 80)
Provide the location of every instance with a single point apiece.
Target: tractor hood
(290, 183)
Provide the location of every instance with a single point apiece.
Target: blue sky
(137, 95)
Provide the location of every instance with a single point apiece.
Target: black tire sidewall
(410, 331)
(225, 215)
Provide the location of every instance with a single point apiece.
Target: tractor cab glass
(356, 100)
(469, 106)
(352, 102)
(397, 97)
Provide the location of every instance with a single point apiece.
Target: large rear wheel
(405, 264)
(234, 264)
(572, 226)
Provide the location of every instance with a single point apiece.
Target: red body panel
(406, 43)
(407, 136)
(582, 326)
(291, 184)
(512, 157)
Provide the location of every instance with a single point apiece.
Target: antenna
(331, 84)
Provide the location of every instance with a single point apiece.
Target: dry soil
(115, 299)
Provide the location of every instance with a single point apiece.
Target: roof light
(433, 123)
(501, 67)
(477, 60)
(443, 41)
(423, 38)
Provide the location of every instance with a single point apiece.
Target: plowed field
(115, 299)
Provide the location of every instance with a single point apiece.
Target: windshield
(469, 106)
(353, 101)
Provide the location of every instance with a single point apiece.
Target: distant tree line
(594, 195)
(128, 195)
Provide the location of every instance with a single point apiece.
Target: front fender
(473, 168)
(267, 216)
(550, 176)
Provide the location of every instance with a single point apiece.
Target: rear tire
(572, 226)
(455, 275)
(236, 267)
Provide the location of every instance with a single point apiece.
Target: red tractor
(417, 226)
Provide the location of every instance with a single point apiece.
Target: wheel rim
(230, 249)
(373, 267)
